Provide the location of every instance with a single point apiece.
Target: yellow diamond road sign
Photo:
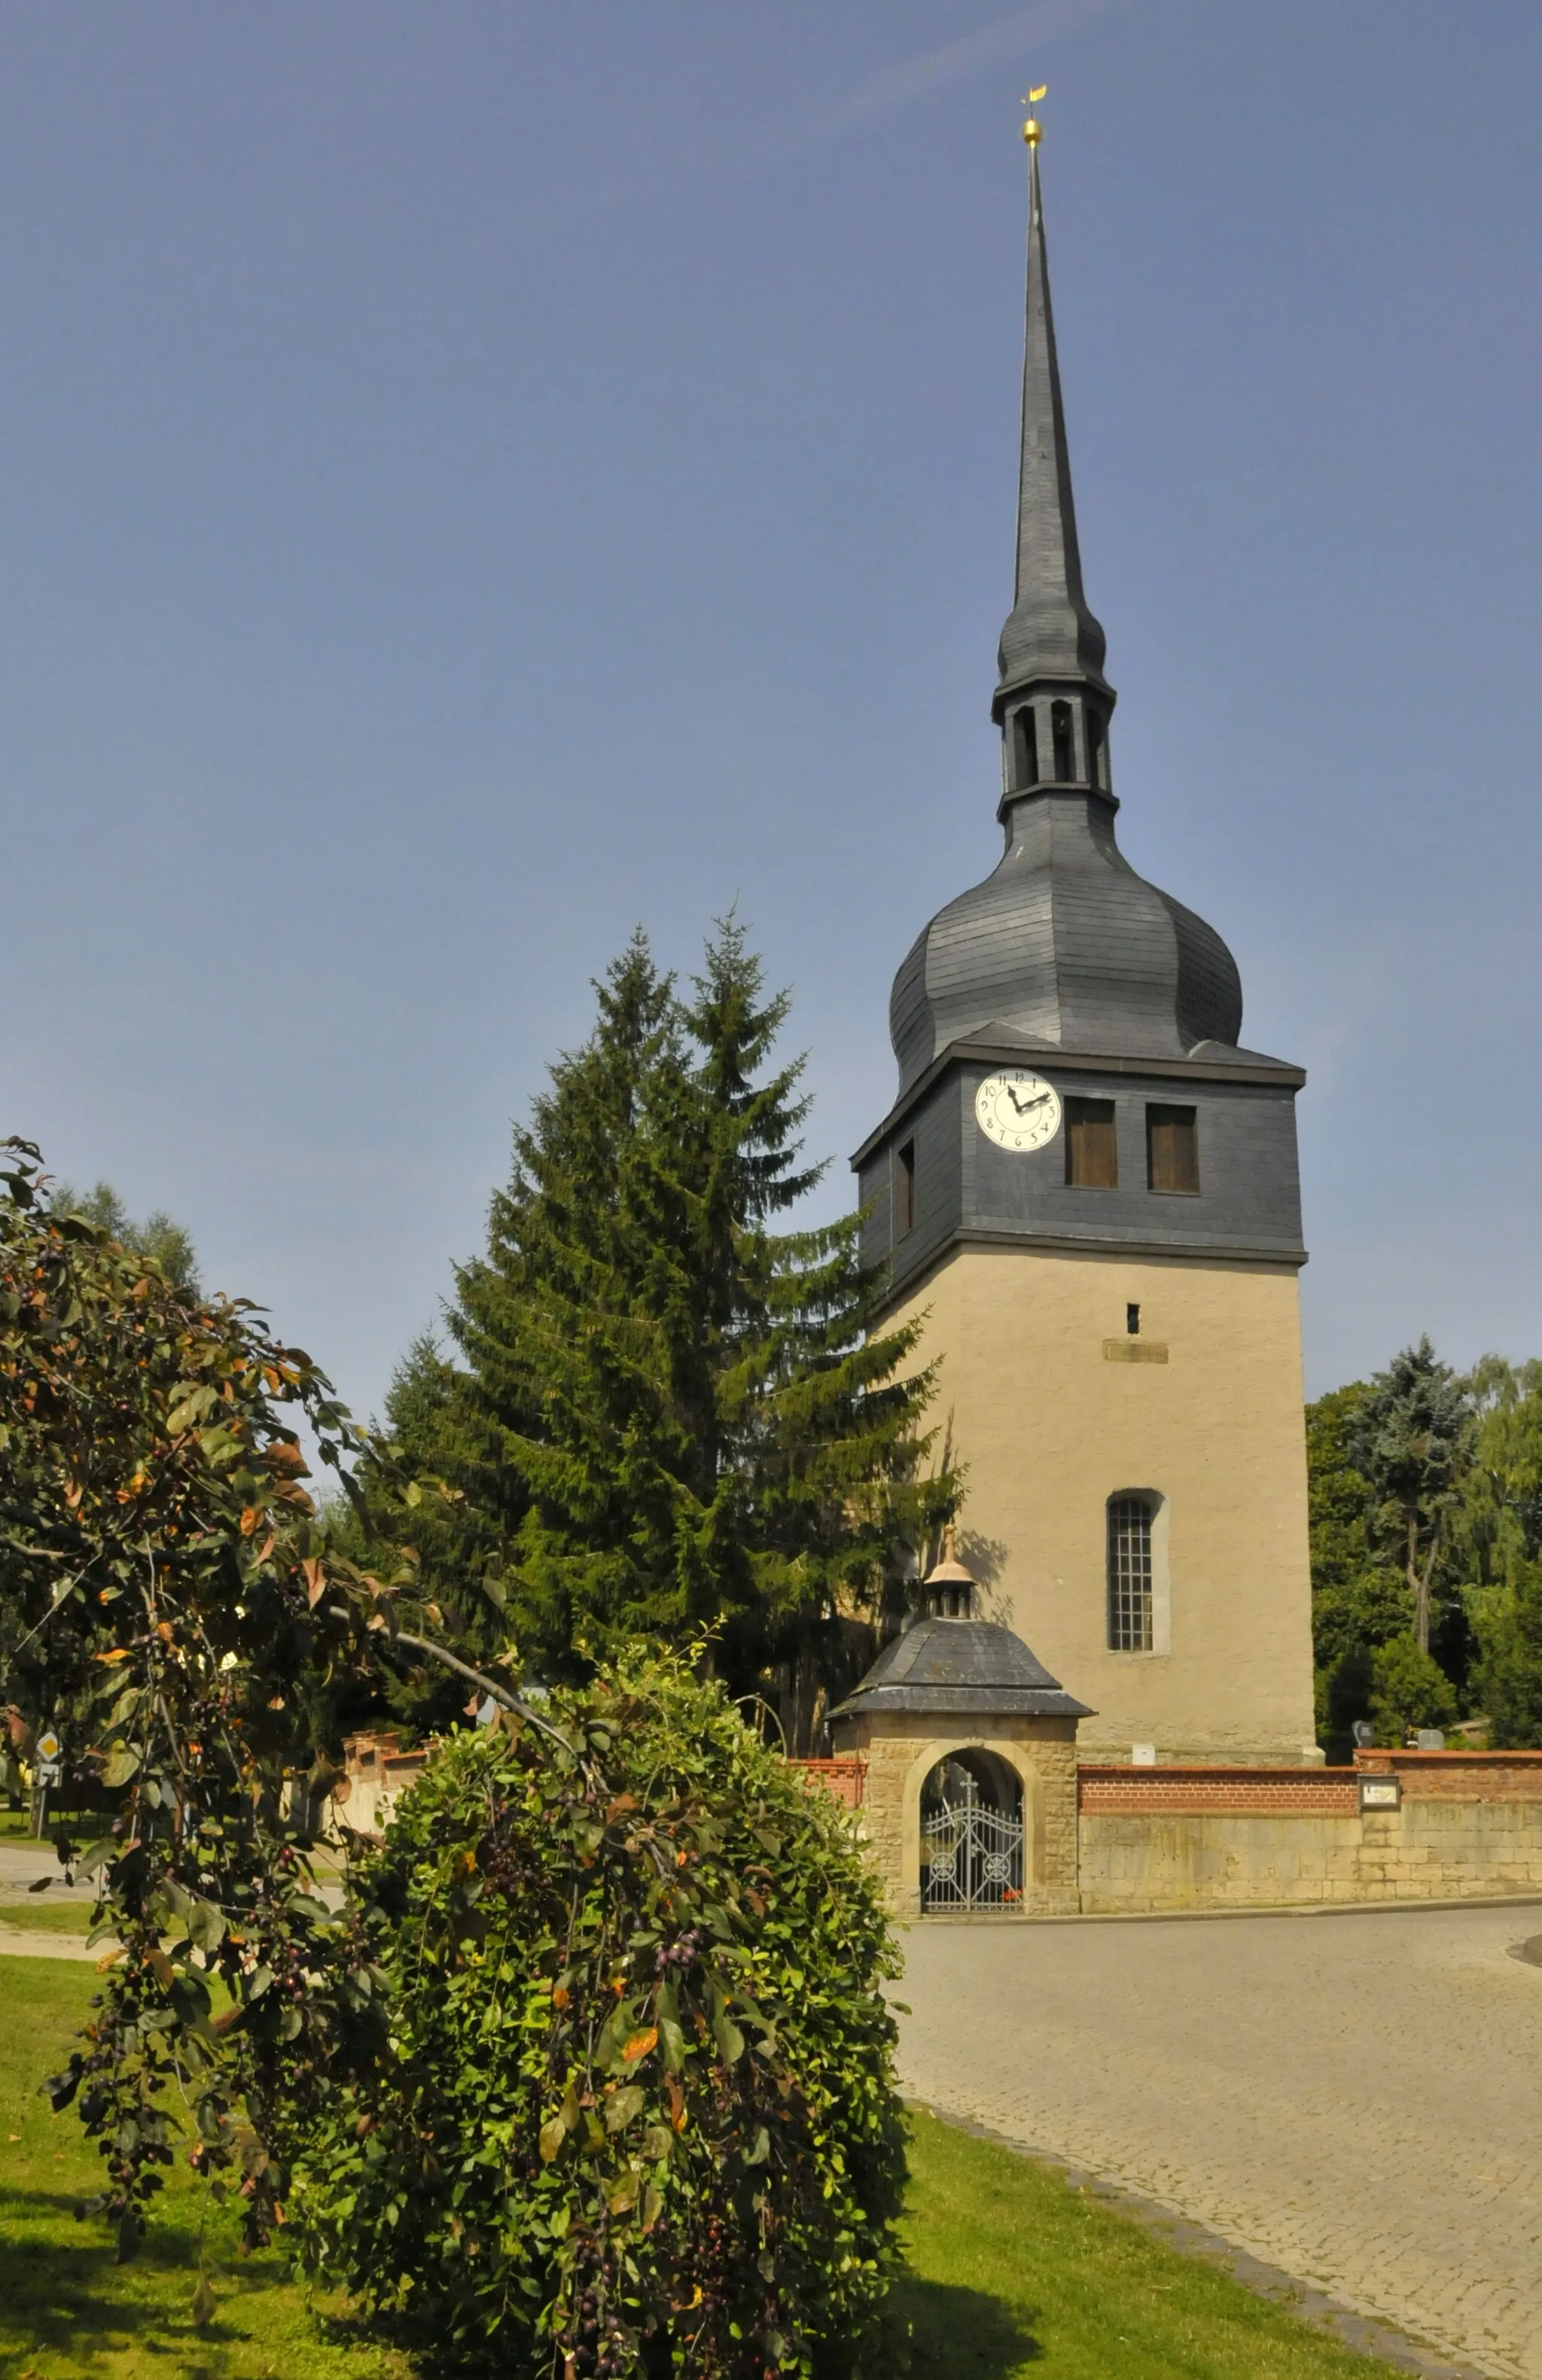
(48, 1747)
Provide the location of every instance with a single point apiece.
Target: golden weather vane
(1030, 99)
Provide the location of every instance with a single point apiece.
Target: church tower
(1090, 1190)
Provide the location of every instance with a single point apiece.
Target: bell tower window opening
(1098, 747)
(1092, 1145)
(1130, 1574)
(1026, 745)
(1064, 738)
(1172, 1152)
(904, 1189)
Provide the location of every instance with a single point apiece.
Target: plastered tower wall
(1052, 1417)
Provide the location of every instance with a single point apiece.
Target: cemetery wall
(1453, 1826)
(1463, 1825)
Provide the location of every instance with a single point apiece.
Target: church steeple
(1053, 700)
(1064, 946)
(1085, 1198)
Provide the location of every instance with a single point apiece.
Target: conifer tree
(660, 1414)
(1412, 1442)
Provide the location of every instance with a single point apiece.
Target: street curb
(975, 1920)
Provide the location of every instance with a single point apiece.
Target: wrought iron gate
(971, 1857)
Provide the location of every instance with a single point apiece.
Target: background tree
(1411, 1440)
(1365, 1595)
(1498, 1532)
(164, 1581)
(659, 1415)
(167, 1244)
(1359, 1597)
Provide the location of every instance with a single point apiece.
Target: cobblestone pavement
(1356, 2099)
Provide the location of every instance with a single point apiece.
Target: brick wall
(845, 1778)
(1327, 1793)
(1464, 1776)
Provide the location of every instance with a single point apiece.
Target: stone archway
(1006, 1780)
(972, 1843)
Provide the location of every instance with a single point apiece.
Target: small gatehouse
(970, 1749)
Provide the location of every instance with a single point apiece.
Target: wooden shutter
(1092, 1145)
(1172, 1149)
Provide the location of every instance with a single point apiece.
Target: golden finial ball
(1030, 132)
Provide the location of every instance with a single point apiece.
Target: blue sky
(476, 478)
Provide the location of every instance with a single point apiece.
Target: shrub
(633, 2107)
(1408, 1688)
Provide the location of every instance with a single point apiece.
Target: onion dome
(1064, 947)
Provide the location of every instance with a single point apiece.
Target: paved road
(1356, 2099)
(23, 1864)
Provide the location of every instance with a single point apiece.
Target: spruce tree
(660, 1415)
(1411, 1440)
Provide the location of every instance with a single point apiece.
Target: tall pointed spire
(1050, 633)
(1063, 947)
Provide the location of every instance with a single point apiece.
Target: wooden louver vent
(1092, 1145)
(1172, 1149)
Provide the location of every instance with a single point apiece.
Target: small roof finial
(1030, 129)
(949, 1587)
(947, 1569)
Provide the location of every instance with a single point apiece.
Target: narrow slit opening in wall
(1132, 1320)
(1064, 742)
(1025, 747)
(904, 1189)
(1097, 767)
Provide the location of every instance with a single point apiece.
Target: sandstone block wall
(1469, 1827)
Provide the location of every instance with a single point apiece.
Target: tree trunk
(1428, 1579)
(802, 1700)
(1419, 1581)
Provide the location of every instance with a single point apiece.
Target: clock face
(1018, 1110)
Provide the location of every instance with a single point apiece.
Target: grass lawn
(43, 1916)
(15, 1827)
(67, 2310)
(1013, 2275)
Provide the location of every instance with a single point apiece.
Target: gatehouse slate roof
(1064, 946)
(961, 1669)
